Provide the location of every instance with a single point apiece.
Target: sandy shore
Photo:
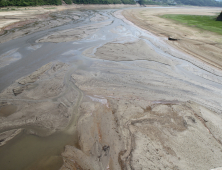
(204, 45)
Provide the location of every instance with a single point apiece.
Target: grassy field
(203, 22)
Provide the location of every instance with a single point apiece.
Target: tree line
(29, 2)
(104, 1)
(200, 2)
(4, 3)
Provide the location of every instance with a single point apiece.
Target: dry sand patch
(130, 134)
(138, 50)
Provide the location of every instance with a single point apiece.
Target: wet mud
(7, 110)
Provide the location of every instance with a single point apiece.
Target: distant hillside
(4, 3)
(104, 1)
(199, 2)
(183, 2)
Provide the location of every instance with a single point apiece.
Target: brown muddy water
(27, 151)
(34, 152)
(7, 110)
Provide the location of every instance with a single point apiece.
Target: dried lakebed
(100, 93)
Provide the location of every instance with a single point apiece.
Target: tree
(68, 1)
(141, 2)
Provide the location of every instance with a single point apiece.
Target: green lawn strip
(200, 21)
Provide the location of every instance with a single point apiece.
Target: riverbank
(204, 45)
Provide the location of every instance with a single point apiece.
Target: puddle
(7, 110)
(29, 151)
(34, 152)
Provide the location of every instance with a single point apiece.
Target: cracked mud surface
(112, 97)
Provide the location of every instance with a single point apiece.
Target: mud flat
(74, 34)
(37, 92)
(117, 98)
(9, 57)
(137, 115)
(141, 116)
(27, 20)
(42, 104)
(28, 23)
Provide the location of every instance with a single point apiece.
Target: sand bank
(36, 92)
(168, 136)
(201, 44)
(8, 135)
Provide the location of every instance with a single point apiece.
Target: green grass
(199, 21)
(50, 8)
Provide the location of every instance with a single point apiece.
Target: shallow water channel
(27, 151)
